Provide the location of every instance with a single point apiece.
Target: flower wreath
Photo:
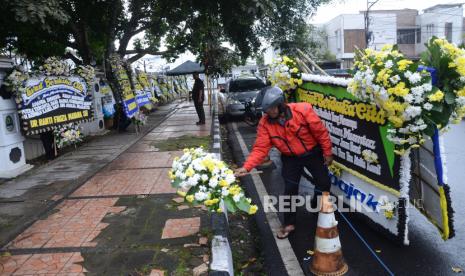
(52, 66)
(404, 91)
(285, 73)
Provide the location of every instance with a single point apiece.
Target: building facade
(407, 28)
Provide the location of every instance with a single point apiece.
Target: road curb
(221, 262)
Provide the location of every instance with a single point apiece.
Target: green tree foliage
(220, 32)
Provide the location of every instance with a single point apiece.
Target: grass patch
(186, 141)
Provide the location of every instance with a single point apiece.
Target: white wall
(270, 54)
(438, 17)
(384, 29)
(335, 31)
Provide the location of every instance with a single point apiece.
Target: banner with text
(49, 101)
(358, 132)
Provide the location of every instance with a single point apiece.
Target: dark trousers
(292, 170)
(48, 143)
(200, 111)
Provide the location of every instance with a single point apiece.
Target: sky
(323, 14)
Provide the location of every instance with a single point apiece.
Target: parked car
(237, 92)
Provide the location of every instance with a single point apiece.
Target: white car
(236, 93)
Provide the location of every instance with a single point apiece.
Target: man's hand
(328, 160)
(240, 172)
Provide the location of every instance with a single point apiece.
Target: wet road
(427, 253)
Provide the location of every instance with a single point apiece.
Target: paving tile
(142, 146)
(169, 135)
(51, 263)
(43, 264)
(127, 182)
(185, 127)
(178, 228)
(76, 223)
(141, 160)
(9, 264)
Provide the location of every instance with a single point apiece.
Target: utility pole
(370, 4)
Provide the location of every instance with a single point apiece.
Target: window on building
(406, 36)
(429, 31)
(338, 40)
(448, 31)
(418, 35)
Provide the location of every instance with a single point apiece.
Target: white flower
(408, 98)
(200, 196)
(412, 112)
(192, 181)
(224, 191)
(388, 64)
(412, 140)
(427, 106)
(204, 177)
(237, 197)
(427, 87)
(197, 165)
(460, 100)
(213, 182)
(414, 78)
(383, 94)
(230, 178)
(394, 79)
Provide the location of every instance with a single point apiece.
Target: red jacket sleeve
(260, 149)
(318, 129)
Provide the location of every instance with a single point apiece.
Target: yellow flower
(253, 209)
(295, 70)
(396, 54)
(396, 121)
(299, 82)
(399, 90)
(171, 175)
(181, 193)
(223, 183)
(234, 190)
(220, 165)
(389, 214)
(210, 202)
(387, 47)
(189, 172)
(439, 41)
(209, 163)
(383, 76)
(190, 198)
(219, 210)
(403, 64)
(436, 97)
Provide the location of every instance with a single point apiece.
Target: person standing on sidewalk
(303, 140)
(198, 97)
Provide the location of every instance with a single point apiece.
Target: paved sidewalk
(124, 220)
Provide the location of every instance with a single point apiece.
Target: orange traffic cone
(327, 259)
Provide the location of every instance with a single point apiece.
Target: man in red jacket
(303, 140)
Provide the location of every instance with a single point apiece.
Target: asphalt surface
(427, 253)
